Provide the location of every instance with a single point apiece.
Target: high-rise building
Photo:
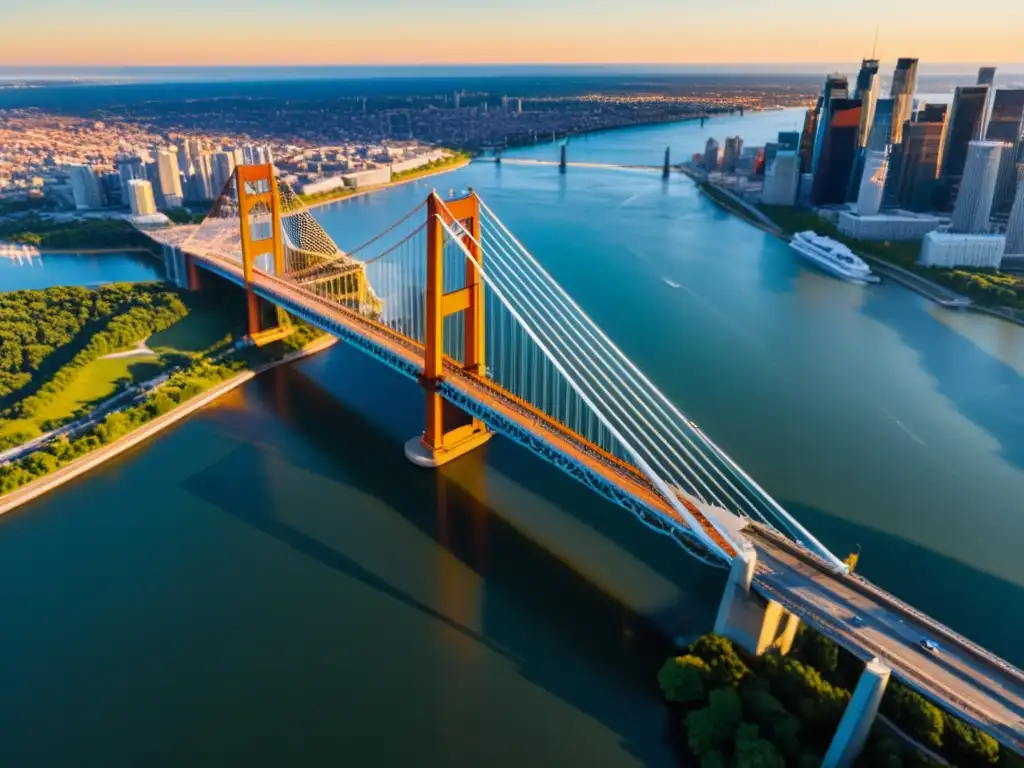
(771, 149)
(966, 124)
(838, 154)
(184, 159)
(904, 83)
(782, 179)
(987, 76)
(129, 167)
(789, 141)
(836, 87)
(254, 154)
(140, 197)
(977, 188)
(223, 166)
(711, 155)
(807, 136)
(881, 124)
(1006, 124)
(85, 187)
(203, 178)
(731, 153)
(867, 88)
(1015, 224)
(869, 196)
(169, 177)
(919, 169)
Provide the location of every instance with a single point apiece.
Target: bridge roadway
(961, 677)
(571, 164)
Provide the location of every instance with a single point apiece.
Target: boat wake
(670, 284)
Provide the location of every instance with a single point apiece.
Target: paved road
(960, 677)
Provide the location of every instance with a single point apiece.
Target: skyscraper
(129, 167)
(869, 196)
(904, 83)
(977, 188)
(836, 87)
(807, 136)
(223, 166)
(140, 197)
(881, 124)
(170, 178)
(711, 155)
(85, 187)
(922, 151)
(1015, 225)
(782, 179)
(1006, 124)
(836, 160)
(731, 153)
(789, 141)
(867, 92)
(986, 76)
(966, 123)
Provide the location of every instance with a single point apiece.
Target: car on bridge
(928, 646)
(856, 621)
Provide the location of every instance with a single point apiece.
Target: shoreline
(919, 284)
(103, 454)
(390, 185)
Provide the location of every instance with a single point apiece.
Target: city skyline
(64, 33)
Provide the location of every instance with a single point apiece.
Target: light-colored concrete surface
(959, 676)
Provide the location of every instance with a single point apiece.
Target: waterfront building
(368, 178)
(731, 153)
(867, 89)
(904, 83)
(837, 158)
(711, 155)
(85, 187)
(986, 76)
(1015, 224)
(977, 188)
(948, 249)
(169, 177)
(885, 226)
(919, 164)
(1006, 124)
(789, 141)
(872, 185)
(836, 87)
(782, 179)
(140, 197)
(966, 124)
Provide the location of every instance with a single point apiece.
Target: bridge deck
(961, 677)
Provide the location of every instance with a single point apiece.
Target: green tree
(914, 714)
(682, 679)
(966, 745)
(727, 668)
(751, 751)
(712, 728)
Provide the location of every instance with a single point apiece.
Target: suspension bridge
(449, 297)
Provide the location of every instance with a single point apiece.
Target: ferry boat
(833, 257)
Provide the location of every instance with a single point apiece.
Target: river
(273, 578)
(90, 269)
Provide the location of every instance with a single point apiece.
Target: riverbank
(429, 173)
(936, 292)
(93, 459)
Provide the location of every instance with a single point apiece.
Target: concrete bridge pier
(561, 161)
(858, 717)
(749, 620)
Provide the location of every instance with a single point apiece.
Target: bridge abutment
(749, 620)
(858, 717)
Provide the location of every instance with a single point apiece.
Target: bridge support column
(858, 717)
(449, 433)
(191, 273)
(749, 620)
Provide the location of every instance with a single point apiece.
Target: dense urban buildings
(1006, 124)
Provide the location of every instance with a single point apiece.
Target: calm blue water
(272, 582)
(77, 269)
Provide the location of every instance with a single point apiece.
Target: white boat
(833, 257)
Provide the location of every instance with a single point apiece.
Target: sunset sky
(318, 32)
